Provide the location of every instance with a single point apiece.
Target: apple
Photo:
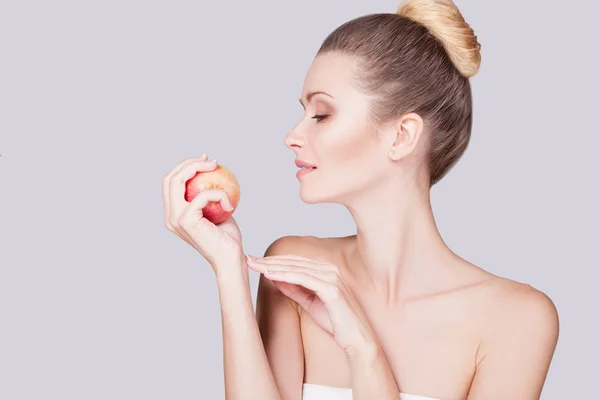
(220, 178)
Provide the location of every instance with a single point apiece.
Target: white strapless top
(312, 391)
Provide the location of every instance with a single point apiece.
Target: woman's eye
(320, 118)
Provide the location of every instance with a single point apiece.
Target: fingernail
(215, 160)
(203, 155)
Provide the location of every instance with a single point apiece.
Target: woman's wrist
(364, 352)
(231, 273)
(235, 294)
(371, 373)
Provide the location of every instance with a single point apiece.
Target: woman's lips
(305, 171)
(302, 163)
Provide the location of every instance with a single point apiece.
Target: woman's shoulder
(324, 249)
(502, 303)
(520, 301)
(515, 313)
(502, 294)
(304, 246)
(503, 298)
(506, 301)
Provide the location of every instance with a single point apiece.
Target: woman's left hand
(320, 290)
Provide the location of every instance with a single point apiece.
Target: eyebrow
(311, 94)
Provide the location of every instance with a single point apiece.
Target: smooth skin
(391, 308)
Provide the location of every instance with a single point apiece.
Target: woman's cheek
(347, 144)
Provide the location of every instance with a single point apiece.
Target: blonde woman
(390, 312)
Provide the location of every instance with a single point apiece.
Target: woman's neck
(398, 249)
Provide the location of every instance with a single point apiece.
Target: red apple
(220, 178)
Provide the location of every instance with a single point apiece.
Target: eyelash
(320, 118)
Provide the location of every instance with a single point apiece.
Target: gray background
(100, 99)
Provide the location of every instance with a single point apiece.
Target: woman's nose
(293, 139)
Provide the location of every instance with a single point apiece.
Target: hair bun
(444, 21)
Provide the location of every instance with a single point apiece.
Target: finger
(299, 294)
(268, 262)
(185, 162)
(260, 265)
(326, 291)
(193, 211)
(165, 188)
(293, 257)
(177, 184)
(275, 261)
(327, 276)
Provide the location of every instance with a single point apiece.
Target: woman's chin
(309, 199)
(310, 196)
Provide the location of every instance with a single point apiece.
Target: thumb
(295, 292)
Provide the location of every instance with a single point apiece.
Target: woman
(390, 312)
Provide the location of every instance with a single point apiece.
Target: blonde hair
(446, 23)
(419, 60)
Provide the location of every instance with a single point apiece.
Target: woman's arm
(372, 377)
(517, 351)
(279, 323)
(248, 374)
(318, 287)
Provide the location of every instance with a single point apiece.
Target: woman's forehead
(332, 74)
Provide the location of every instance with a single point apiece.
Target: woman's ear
(408, 131)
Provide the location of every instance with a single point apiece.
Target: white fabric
(311, 391)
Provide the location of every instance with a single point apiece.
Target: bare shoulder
(506, 299)
(512, 300)
(519, 313)
(268, 294)
(304, 246)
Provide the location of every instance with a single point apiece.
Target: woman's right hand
(220, 245)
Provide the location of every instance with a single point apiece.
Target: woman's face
(342, 144)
